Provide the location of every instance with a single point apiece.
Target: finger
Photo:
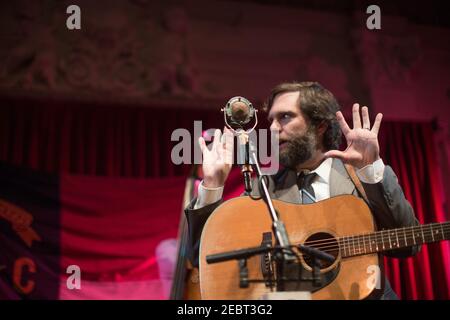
(201, 143)
(226, 135)
(377, 123)
(225, 129)
(336, 154)
(227, 138)
(356, 117)
(216, 141)
(229, 149)
(365, 118)
(342, 123)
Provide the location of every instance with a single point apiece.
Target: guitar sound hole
(325, 242)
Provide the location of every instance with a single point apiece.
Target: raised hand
(218, 161)
(362, 141)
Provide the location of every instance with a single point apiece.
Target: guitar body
(240, 222)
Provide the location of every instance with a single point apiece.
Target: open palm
(362, 141)
(218, 160)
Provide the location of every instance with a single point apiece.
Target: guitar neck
(393, 239)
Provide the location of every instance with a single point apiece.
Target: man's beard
(299, 149)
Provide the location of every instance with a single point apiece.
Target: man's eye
(285, 116)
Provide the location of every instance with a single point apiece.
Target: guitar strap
(352, 173)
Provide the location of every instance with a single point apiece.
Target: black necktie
(304, 182)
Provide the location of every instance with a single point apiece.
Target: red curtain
(410, 149)
(119, 232)
(95, 139)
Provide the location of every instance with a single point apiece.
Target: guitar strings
(347, 243)
(382, 233)
(360, 242)
(351, 241)
(337, 247)
(358, 249)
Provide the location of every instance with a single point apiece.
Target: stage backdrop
(111, 194)
(118, 232)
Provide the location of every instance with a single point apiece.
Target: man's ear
(321, 128)
(320, 132)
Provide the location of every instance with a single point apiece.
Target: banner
(82, 237)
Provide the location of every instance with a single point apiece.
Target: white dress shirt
(372, 173)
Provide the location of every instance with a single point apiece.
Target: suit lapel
(340, 182)
(286, 187)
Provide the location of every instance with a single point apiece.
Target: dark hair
(317, 104)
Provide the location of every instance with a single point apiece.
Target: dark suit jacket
(386, 201)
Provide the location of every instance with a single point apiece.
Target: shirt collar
(324, 170)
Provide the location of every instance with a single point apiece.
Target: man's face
(297, 138)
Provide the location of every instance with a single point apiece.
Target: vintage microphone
(238, 112)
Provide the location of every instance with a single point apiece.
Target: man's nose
(275, 126)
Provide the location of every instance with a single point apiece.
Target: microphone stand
(278, 227)
(284, 256)
(247, 157)
(244, 159)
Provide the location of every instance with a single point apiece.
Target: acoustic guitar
(342, 226)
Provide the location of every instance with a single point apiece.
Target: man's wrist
(212, 183)
(372, 173)
(368, 162)
(207, 195)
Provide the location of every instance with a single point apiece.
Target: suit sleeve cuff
(207, 196)
(372, 173)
